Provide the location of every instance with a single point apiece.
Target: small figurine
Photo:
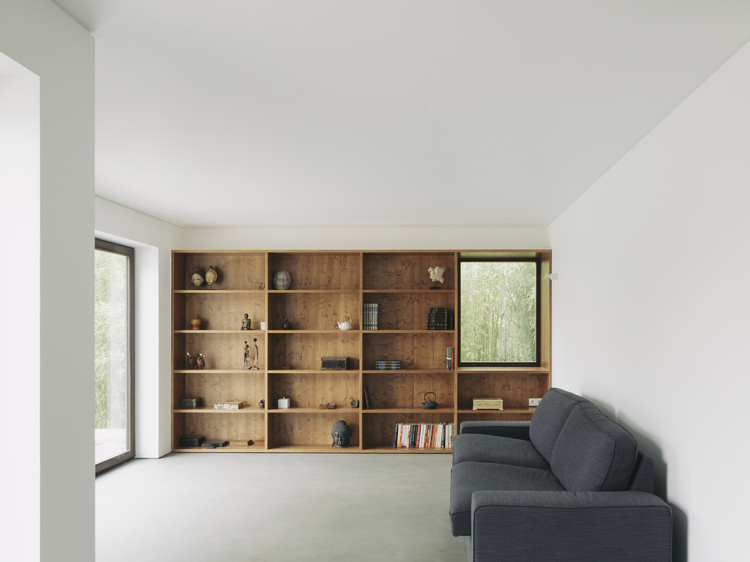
(286, 325)
(201, 361)
(195, 322)
(191, 362)
(211, 276)
(262, 404)
(436, 276)
(245, 322)
(255, 354)
(282, 280)
(341, 433)
(197, 277)
(247, 360)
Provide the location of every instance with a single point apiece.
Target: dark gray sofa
(570, 484)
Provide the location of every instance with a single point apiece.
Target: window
(113, 334)
(499, 312)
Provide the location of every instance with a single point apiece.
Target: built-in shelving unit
(327, 287)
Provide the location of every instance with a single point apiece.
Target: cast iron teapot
(429, 404)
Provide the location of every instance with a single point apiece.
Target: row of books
(424, 436)
(371, 314)
(449, 357)
(439, 318)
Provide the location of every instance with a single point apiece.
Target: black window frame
(129, 252)
(489, 364)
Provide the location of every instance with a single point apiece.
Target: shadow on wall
(645, 443)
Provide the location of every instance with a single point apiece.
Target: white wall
(49, 451)
(153, 241)
(366, 238)
(650, 312)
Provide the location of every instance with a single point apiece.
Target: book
(370, 314)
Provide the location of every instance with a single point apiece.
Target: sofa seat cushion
(492, 448)
(593, 453)
(469, 477)
(550, 417)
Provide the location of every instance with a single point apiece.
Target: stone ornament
(282, 280)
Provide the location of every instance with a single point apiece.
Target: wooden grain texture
(219, 426)
(409, 311)
(514, 388)
(309, 390)
(289, 429)
(301, 351)
(317, 270)
(406, 270)
(248, 387)
(393, 389)
(238, 270)
(218, 311)
(414, 351)
(222, 351)
(313, 311)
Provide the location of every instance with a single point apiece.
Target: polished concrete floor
(235, 507)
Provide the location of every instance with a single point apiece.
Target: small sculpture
(245, 322)
(247, 359)
(195, 322)
(211, 276)
(191, 362)
(201, 361)
(282, 280)
(197, 277)
(436, 276)
(262, 404)
(341, 433)
(255, 354)
(286, 325)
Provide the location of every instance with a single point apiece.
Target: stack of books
(391, 365)
(424, 436)
(438, 318)
(370, 316)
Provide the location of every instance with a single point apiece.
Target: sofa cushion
(492, 448)
(550, 417)
(593, 453)
(469, 477)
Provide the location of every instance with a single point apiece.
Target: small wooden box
(333, 363)
(190, 403)
(487, 404)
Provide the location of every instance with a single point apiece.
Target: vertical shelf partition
(328, 288)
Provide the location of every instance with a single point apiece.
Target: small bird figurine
(201, 361)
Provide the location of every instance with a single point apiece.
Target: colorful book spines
(424, 436)
(450, 352)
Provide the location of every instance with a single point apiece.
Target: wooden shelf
(327, 286)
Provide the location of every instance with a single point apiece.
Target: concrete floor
(244, 507)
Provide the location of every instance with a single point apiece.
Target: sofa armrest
(514, 429)
(580, 526)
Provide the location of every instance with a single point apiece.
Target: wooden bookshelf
(326, 287)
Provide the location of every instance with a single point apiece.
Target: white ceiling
(385, 112)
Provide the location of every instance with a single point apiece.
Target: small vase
(195, 322)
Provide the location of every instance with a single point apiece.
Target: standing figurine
(255, 354)
(191, 363)
(247, 360)
(262, 404)
(245, 322)
(201, 361)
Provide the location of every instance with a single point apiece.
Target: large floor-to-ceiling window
(113, 429)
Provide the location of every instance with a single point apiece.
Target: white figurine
(436, 274)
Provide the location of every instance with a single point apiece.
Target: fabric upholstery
(570, 526)
(469, 477)
(550, 417)
(489, 448)
(593, 453)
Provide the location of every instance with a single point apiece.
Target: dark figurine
(245, 322)
(247, 361)
(201, 361)
(341, 433)
(191, 362)
(286, 325)
(262, 404)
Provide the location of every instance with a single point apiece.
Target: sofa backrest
(592, 453)
(550, 417)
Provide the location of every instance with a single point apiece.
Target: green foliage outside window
(110, 340)
(498, 311)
